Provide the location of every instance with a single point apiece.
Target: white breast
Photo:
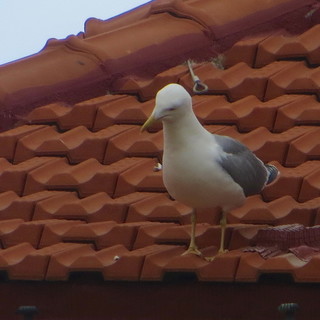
(193, 177)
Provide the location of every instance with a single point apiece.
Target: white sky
(26, 25)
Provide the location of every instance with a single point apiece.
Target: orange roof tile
(79, 187)
(87, 153)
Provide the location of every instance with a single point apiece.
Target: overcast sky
(26, 25)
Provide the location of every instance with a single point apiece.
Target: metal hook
(199, 87)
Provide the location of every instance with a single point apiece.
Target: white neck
(177, 133)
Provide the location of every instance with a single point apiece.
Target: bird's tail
(273, 172)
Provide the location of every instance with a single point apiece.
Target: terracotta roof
(79, 193)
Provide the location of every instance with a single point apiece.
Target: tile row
(66, 115)
(281, 211)
(98, 207)
(87, 178)
(290, 148)
(158, 207)
(78, 144)
(89, 247)
(152, 263)
(132, 235)
(237, 82)
(95, 114)
(131, 175)
(261, 50)
(133, 207)
(277, 115)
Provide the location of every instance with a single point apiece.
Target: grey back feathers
(243, 166)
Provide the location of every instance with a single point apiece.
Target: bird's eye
(172, 109)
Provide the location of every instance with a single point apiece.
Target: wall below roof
(91, 299)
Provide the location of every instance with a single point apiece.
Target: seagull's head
(172, 101)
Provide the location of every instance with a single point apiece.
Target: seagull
(201, 169)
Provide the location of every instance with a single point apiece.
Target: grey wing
(242, 165)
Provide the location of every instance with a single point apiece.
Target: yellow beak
(148, 123)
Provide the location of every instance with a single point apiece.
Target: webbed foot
(220, 252)
(193, 250)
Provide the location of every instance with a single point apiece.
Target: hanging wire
(199, 87)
